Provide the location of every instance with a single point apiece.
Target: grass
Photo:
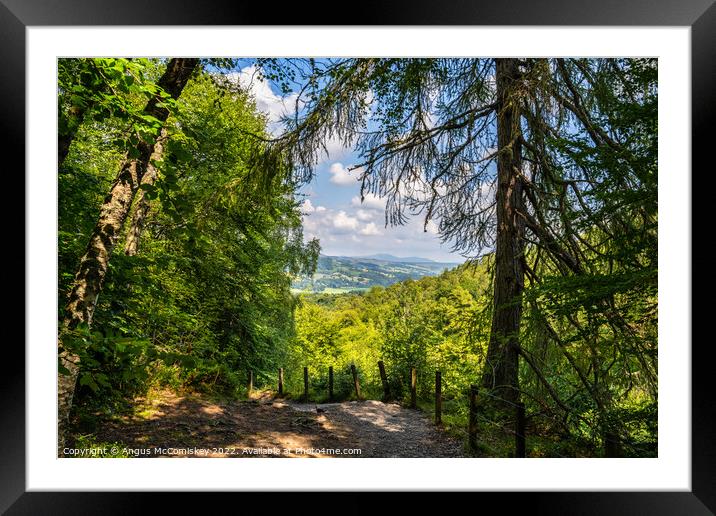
(492, 439)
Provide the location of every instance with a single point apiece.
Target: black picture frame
(16, 15)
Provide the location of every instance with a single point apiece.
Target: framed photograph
(430, 241)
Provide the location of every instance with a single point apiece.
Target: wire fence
(472, 434)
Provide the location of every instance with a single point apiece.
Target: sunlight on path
(245, 428)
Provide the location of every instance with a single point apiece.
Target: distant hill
(390, 258)
(336, 274)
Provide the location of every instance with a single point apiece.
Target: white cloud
(370, 201)
(431, 227)
(334, 150)
(344, 223)
(274, 105)
(310, 226)
(340, 175)
(370, 230)
(416, 188)
(359, 231)
(364, 215)
(307, 207)
(487, 194)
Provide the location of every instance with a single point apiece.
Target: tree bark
(141, 205)
(501, 367)
(113, 213)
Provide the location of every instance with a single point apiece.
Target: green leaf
(86, 379)
(188, 362)
(78, 100)
(102, 379)
(182, 154)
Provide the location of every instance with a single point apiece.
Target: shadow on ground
(169, 425)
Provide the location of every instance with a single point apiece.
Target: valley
(340, 274)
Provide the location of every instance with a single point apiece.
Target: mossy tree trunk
(113, 213)
(141, 205)
(500, 375)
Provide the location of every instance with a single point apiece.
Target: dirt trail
(270, 427)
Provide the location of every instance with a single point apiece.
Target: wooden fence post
(413, 387)
(250, 386)
(438, 398)
(330, 383)
(305, 384)
(280, 381)
(472, 423)
(355, 380)
(384, 380)
(520, 446)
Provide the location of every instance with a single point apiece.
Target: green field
(330, 290)
(341, 274)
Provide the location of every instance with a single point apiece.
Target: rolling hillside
(345, 273)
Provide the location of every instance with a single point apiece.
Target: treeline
(443, 324)
(431, 323)
(197, 284)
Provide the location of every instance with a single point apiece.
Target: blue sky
(331, 204)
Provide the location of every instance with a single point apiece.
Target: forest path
(274, 427)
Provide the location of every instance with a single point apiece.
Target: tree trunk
(93, 265)
(141, 205)
(501, 367)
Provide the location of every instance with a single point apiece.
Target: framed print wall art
(414, 249)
